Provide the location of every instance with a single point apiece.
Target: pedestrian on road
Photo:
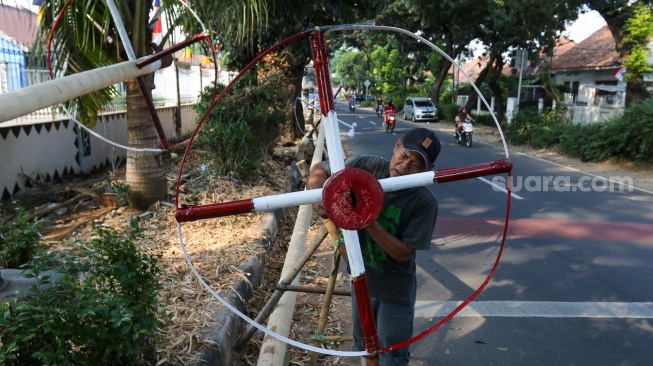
(389, 244)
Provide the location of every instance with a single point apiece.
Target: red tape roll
(352, 198)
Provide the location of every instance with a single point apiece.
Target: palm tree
(85, 37)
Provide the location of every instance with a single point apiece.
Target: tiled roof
(597, 50)
(18, 25)
(474, 67)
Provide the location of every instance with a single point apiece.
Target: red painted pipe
(370, 336)
(321, 64)
(153, 115)
(473, 171)
(191, 213)
(170, 50)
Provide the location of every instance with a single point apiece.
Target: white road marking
(537, 309)
(499, 188)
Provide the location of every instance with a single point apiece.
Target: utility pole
(520, 56)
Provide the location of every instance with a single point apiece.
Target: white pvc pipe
(27, 100)
(122, 32)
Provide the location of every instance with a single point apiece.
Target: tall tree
(525, 24)
(248, 28)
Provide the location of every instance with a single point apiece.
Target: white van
(420, 109)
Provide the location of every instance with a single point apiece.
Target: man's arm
(392, 246)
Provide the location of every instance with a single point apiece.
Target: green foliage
(243, 126)
(352, 68)
(447, 111)
(368, 103)
(19, 239)
(119, 188)
(103, 310)
(534, 128)
(485, 119)
(628, 137)
(637, 33)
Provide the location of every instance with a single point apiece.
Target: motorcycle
(352, 107)
(389, 120)
(379, 109)
(465, 135)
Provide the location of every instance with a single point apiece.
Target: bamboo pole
(273, 351)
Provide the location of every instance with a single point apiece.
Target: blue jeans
(394, 324)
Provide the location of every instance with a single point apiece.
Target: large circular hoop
(243, 206)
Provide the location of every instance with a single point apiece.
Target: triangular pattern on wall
(56, 125)
(15, 130)
(65, 172)
(16, 188)
(5, 194)
(38, 127)
(47, 178)
(56, 176)
(48, 126)
(65, 123)
(4, 132)
(75, 128)
(77, 157)
(28, 129)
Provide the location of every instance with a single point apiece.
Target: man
(389, 244)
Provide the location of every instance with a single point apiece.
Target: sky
(586, 24)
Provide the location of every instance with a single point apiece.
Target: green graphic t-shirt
(409, 215)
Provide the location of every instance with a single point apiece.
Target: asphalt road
(575, 282)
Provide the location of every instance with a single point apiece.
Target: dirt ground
(218, 247)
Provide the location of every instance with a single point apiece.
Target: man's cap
(424, 142)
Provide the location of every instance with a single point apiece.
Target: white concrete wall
(46, 151)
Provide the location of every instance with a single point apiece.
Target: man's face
(404, 162)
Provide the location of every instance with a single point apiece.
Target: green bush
(447, 112)
(103, 310)
(530, 126)
(243, 126)
(485, 119)
(368, 103)
(19, 239)
(628, 137)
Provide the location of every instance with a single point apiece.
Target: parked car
(359, 97)
(420, 109)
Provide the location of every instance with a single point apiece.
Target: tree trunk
(492, 82)
(471, 101)
(443, 71)
(290, 131)
(145, 174)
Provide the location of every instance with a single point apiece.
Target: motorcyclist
(352, 103)
(379, 104)
(461, 117)
(388, 105)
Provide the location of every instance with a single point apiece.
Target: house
(18, 29)
(590, 69)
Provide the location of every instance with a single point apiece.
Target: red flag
(157, 32)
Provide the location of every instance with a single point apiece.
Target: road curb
(227, 324)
